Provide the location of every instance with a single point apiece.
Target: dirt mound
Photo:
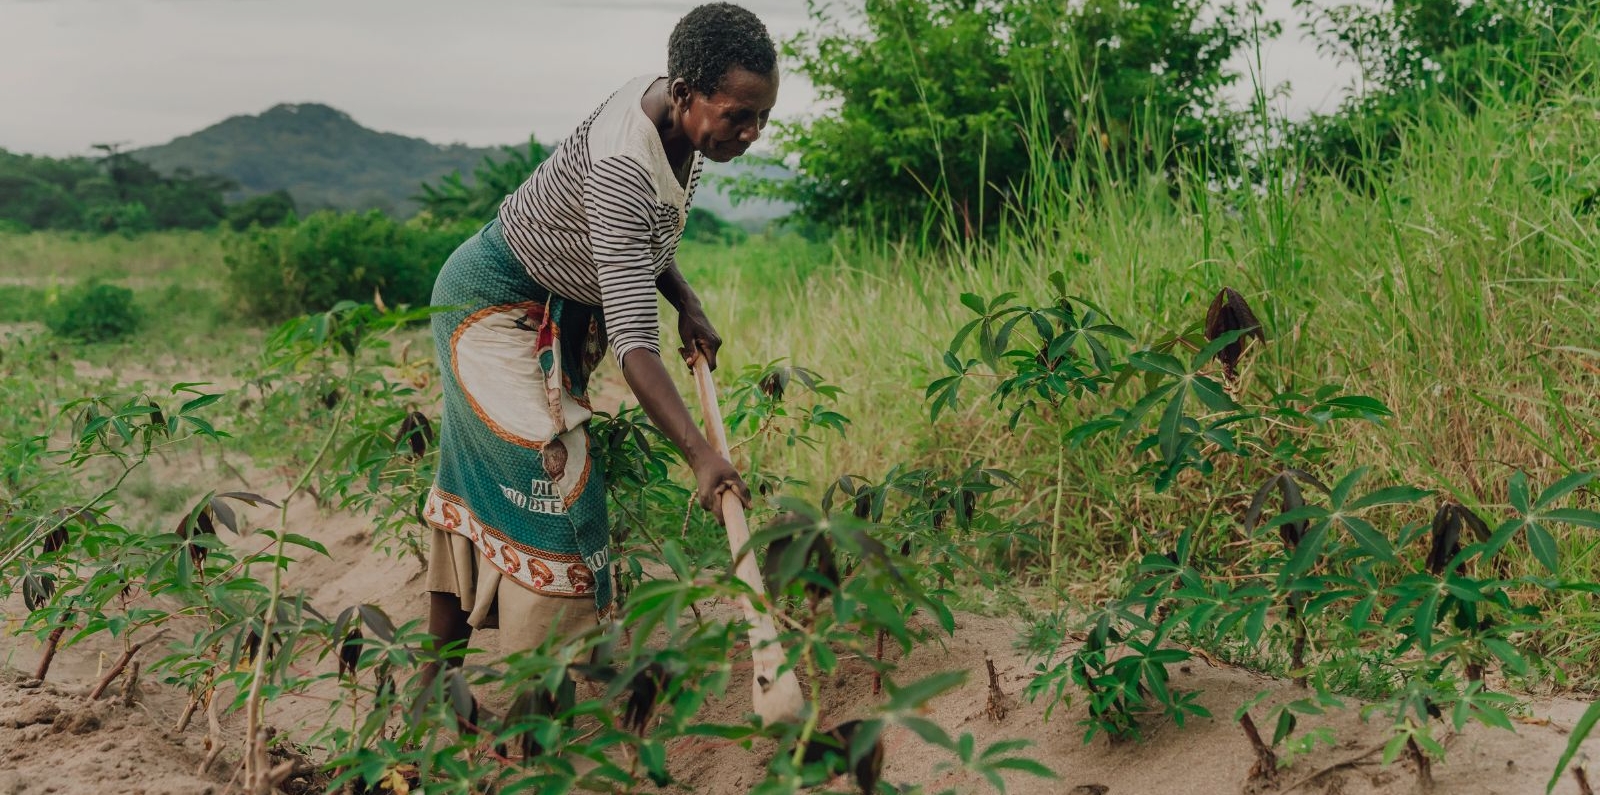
(54, 740)
(1205, 757)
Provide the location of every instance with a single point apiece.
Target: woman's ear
(680, 92)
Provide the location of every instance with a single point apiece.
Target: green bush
(269, 209)
(329, 257)
(1424, 57)
(949, 106)
(21, 303)
(129, 218)
(93, 312)
(705, 226)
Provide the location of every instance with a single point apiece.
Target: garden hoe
(777, 697)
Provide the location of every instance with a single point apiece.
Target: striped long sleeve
(619, 199)
(601, 218)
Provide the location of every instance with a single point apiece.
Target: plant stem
(996, 707)
(254, 758)
(50, 647)
(1266, 766)
(1055, 520)
(1424, 767)
(1297, 655)
(877, 672)
(129, 684)
(105, 681)
(810, 727)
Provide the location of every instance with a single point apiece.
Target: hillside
(319, 154)
(324, 158)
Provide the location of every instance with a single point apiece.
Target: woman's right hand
(713, 476)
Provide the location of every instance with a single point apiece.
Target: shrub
(949, 106)
(1425, 56)
(20, 303)
(704, 226)
(329, 257)
(129, 218)
(269, 209)
(93, 312)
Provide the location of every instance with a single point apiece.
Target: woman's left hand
(698, 335)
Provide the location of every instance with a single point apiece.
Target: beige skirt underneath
(493, 601)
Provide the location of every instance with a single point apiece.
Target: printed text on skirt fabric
(516, 477)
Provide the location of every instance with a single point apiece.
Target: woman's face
(723, 125)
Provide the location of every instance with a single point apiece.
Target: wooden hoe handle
(776, 697)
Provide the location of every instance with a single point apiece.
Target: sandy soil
(51, 736)
(53, 740)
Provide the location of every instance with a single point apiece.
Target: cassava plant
(552, 740)
(1335, 577)
(354, 360)
(780, 406)
(1049, 364)
(81, 571)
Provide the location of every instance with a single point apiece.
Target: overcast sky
(76, 72)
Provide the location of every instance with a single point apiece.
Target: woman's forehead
(742, 87)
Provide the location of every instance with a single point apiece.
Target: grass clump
(93, 312)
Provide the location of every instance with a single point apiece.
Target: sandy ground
(54, 740)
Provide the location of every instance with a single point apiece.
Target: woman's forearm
(658, 396)
(713, 474)
(676, 289)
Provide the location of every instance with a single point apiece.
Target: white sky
(76, 72)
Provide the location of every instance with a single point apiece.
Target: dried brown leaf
(1445, 538)
(775, 382)
(350, 653)
(416, 432)
(1229, 312)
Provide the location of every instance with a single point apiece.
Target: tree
(188, 201)
(113, 193)
(454, 200)
(267, 210)
(133, 180)
(31, 202)
(1415, 54)
(944, 108)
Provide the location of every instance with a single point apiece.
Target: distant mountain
(320, 155)
(325, 159)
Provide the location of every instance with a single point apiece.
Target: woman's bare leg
(447, 623)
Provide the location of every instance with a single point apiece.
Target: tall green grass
(1459, 290)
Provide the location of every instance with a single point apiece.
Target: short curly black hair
(714, 38)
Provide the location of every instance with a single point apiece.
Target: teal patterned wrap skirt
(516, 476)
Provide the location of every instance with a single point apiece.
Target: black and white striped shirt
(601, 218)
